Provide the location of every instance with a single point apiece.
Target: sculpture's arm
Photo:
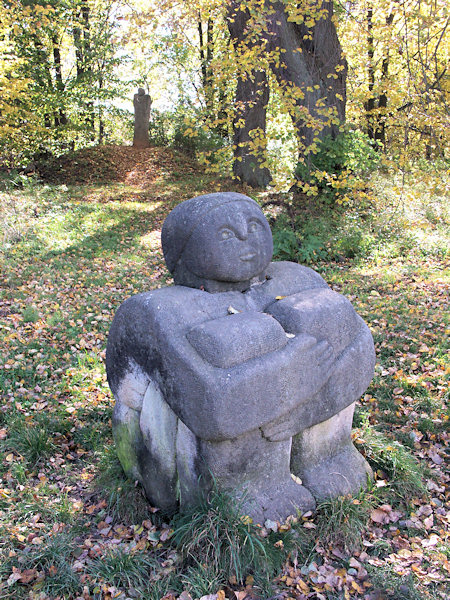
(351, 374)
(132, 354)
(223, 402)
(319, 312)
(150, 339)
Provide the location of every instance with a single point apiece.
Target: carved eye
(226, 234)
(253, 226)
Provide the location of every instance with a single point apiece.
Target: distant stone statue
(245, 370)
(142, 103)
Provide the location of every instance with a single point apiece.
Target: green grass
(125, 501)
(393, 585)
(217, 543)
(53, 561)
(123, 568)
(404, 473)
(31, 441)
(341, 521)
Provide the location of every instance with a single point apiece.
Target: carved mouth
(247, 257)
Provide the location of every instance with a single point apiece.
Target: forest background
(68, 70)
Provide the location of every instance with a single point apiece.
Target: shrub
(190, 137)
(338, 166)
(304, 244)
(159, 128)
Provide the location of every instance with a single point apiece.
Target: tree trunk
(376, 106)
(81, 37)
(311, 62)
(309, 67)
(370, 104)
(60, 116)
(252, 97)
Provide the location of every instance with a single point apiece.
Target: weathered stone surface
(219, 341)
(325, 459)
(142, 103)
(246, 376)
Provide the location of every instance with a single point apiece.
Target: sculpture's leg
(257, 471)
(129, 396)
(146, 436)
(325, 459)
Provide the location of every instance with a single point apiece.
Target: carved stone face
(233, 242)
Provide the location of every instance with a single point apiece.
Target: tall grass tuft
(54, 559)
(125, 500)
(32, 441)
(405, 474)
(341, 521)
(123, 568)
(214, 533)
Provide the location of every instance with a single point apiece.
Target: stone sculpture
(142, 103)
(245, 370)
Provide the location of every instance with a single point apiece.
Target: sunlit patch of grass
(33, 438)
(32, 442)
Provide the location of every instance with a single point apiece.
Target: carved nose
(241, 229)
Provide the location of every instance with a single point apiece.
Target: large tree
(300, 46)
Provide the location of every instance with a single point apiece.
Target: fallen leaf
(15, 576)
(232, 311)
(378, 516)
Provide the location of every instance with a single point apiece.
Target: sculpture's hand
(315, 361)
(321, 313)
(235, 339)
(314, 367)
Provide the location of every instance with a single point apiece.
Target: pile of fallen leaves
(102, 164)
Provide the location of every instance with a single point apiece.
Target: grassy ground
(72, 526)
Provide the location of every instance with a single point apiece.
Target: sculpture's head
(218, 241)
